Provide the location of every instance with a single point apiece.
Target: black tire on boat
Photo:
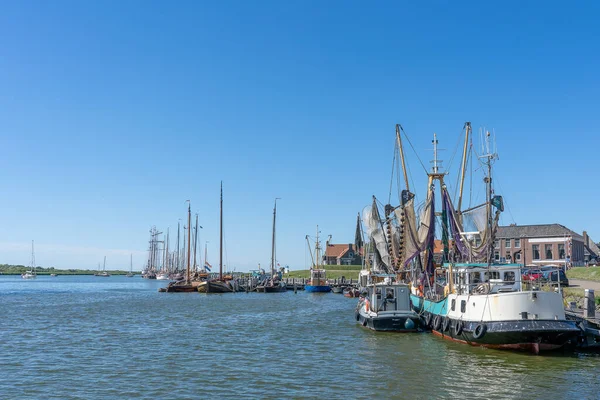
(428, 320)
(446, 324)
(357, 315)
(458, 328)
(479, 331)
(437, 321)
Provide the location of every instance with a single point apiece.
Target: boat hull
(317, 288)
(533, 335)
(214, 287)
(389, 323)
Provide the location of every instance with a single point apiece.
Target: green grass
(331, 273)
(585, 273)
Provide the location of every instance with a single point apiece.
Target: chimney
(350, 246)
(586, 239)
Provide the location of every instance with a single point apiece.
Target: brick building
(341, 254)
(549, 244)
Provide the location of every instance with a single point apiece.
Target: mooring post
(589, 304)
(295, 288)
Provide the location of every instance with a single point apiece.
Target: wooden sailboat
(217, 285)
(130, 274)
(31, 273)
(273, 284)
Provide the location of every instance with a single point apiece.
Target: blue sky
(112, 114)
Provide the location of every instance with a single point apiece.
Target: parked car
(532, 274)
(554, 275)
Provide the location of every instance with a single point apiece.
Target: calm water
(88, 337)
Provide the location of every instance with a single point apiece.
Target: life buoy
(479, 331)
(446, 324)
(428, 320)
(437, 321)
(458, 328)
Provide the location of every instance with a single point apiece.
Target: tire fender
(479, 331)
(446, 324)
(458, 328)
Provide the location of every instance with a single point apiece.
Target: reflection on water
(88, 337)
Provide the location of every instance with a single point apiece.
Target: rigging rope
(414, 151)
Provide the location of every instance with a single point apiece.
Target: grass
(331, 273)
(584, 273)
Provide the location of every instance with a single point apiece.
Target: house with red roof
(342, 254)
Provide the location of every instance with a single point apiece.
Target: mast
(104, 265)
(131, 263)
(187, 275)
(401, 151)
(464, 165)
(221, 237)
(317, 248)
(195, 242)
(205, 251)
(32, 259)
(273, 256)
(178, 249)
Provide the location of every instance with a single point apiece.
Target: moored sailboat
(272, 284)
(31, 274)
(103, 273)
(130, 274)
(219, 285)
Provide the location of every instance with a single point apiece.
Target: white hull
(28, 276)
(162, 277)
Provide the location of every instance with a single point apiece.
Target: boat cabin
(388, 297)
(318, 277)
(481, 278)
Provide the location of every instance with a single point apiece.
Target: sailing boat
(130, 274)
(273, 284)
(31, 273)
(103, 274)
(470, 299)
(217, 285)
(318, 279)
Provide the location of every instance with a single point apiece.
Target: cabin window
(517, 243)
(561, 251)
(509, 277)
(453, 304)
(389, 293)
(475, 277)
(463, 306)
(548, 251)
(492, 275)
(507, 243)
(535, 250)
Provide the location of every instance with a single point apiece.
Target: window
(509, 277)
(477, 242)
(497, 255)
(535, 250)
(492, 275)
(518, 257)
(463, 306)
(507, 243)
(517, 243)
(453, 306)
(561, 251)
(548, 251)
(496, 244)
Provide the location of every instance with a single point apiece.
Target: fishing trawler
(318, 276)
(386, 306)
(470, 299)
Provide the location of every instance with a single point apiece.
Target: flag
(207, 266)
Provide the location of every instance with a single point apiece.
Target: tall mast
(221, 237)
(317, 248)
(205, 252)
(104, 265)
(464, 164)
(195, 242)
(273, 240)
(187, 274)
(178, 250)
(32, 259)
(131, 263)
(401, 151)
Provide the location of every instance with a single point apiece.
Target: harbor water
(85, 337)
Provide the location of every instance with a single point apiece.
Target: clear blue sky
(112, 114)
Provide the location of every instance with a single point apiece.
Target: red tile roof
(336, 250)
